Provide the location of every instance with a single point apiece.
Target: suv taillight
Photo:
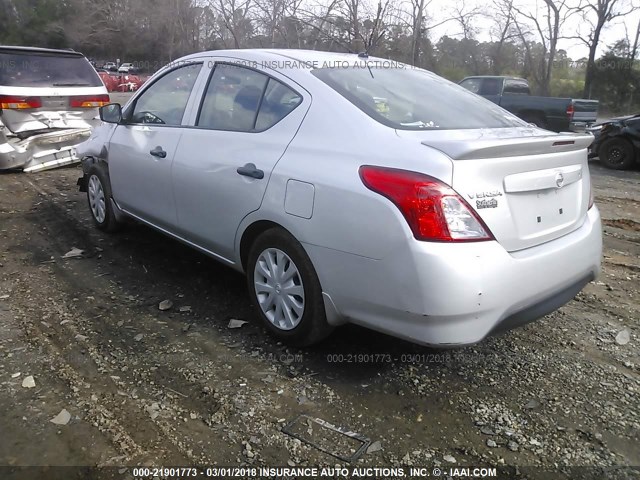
(13, 102)
(89, 101)
(433, 210)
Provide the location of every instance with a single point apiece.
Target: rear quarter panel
(334, 140)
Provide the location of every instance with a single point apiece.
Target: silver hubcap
(279, 289)
(96, 199)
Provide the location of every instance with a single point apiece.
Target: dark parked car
(550, 113)
(617, 142)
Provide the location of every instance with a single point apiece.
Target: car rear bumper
(457, 294)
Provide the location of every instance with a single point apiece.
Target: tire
(617, 153)
(293, 310)
(99, 199)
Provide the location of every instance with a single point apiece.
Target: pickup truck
(550, 113)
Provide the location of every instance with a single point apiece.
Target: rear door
(245, 122)
(141, 150)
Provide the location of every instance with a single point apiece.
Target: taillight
(570, 111)
(89, 101)
(13, 102)
(592, 198)
(433, 210)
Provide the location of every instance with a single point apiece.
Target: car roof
(288, 58)
(50, 51)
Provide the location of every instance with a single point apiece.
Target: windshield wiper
(71, 84)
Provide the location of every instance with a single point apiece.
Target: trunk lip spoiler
(460, 149)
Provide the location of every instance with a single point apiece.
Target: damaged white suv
(48, 104)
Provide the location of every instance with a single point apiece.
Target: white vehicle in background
(126, 68)
(49, 103)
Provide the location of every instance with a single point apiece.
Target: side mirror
(111, 113)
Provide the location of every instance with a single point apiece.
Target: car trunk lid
(528, 187)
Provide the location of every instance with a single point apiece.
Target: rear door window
(239, 99)
(232, 99)
(279, 100)
(20, 69)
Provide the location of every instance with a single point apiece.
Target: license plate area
(546, 211)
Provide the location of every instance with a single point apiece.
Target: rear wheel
(99, 198)
(285, 289)
(617, 153)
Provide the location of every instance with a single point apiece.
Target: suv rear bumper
(579, 127)
(43, 151)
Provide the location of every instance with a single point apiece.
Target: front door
(142, 149)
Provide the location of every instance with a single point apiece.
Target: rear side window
(490, 86)
(46, 70)
(279, 100)
(414, 99)
(242, 100)
(516, 87)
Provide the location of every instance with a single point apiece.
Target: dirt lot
(179, 387)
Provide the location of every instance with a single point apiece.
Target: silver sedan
(352, 189)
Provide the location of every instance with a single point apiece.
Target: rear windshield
(414, 99)
(45, 70)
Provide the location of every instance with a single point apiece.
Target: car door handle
(250, 170)
(158, 152)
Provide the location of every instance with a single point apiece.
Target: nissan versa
(350, 189)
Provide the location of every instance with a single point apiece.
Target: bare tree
(235, 16)
(358, 13)
(271, 16)
(547, 30)
(412, 16)
(595, 15)
(503, 30)
(465, 18)
(322, 19)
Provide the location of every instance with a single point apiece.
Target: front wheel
(285, 289)
(99, 198)
(617, 153)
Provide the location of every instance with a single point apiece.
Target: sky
(614, 31)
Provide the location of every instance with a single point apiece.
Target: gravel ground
(84, 343)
